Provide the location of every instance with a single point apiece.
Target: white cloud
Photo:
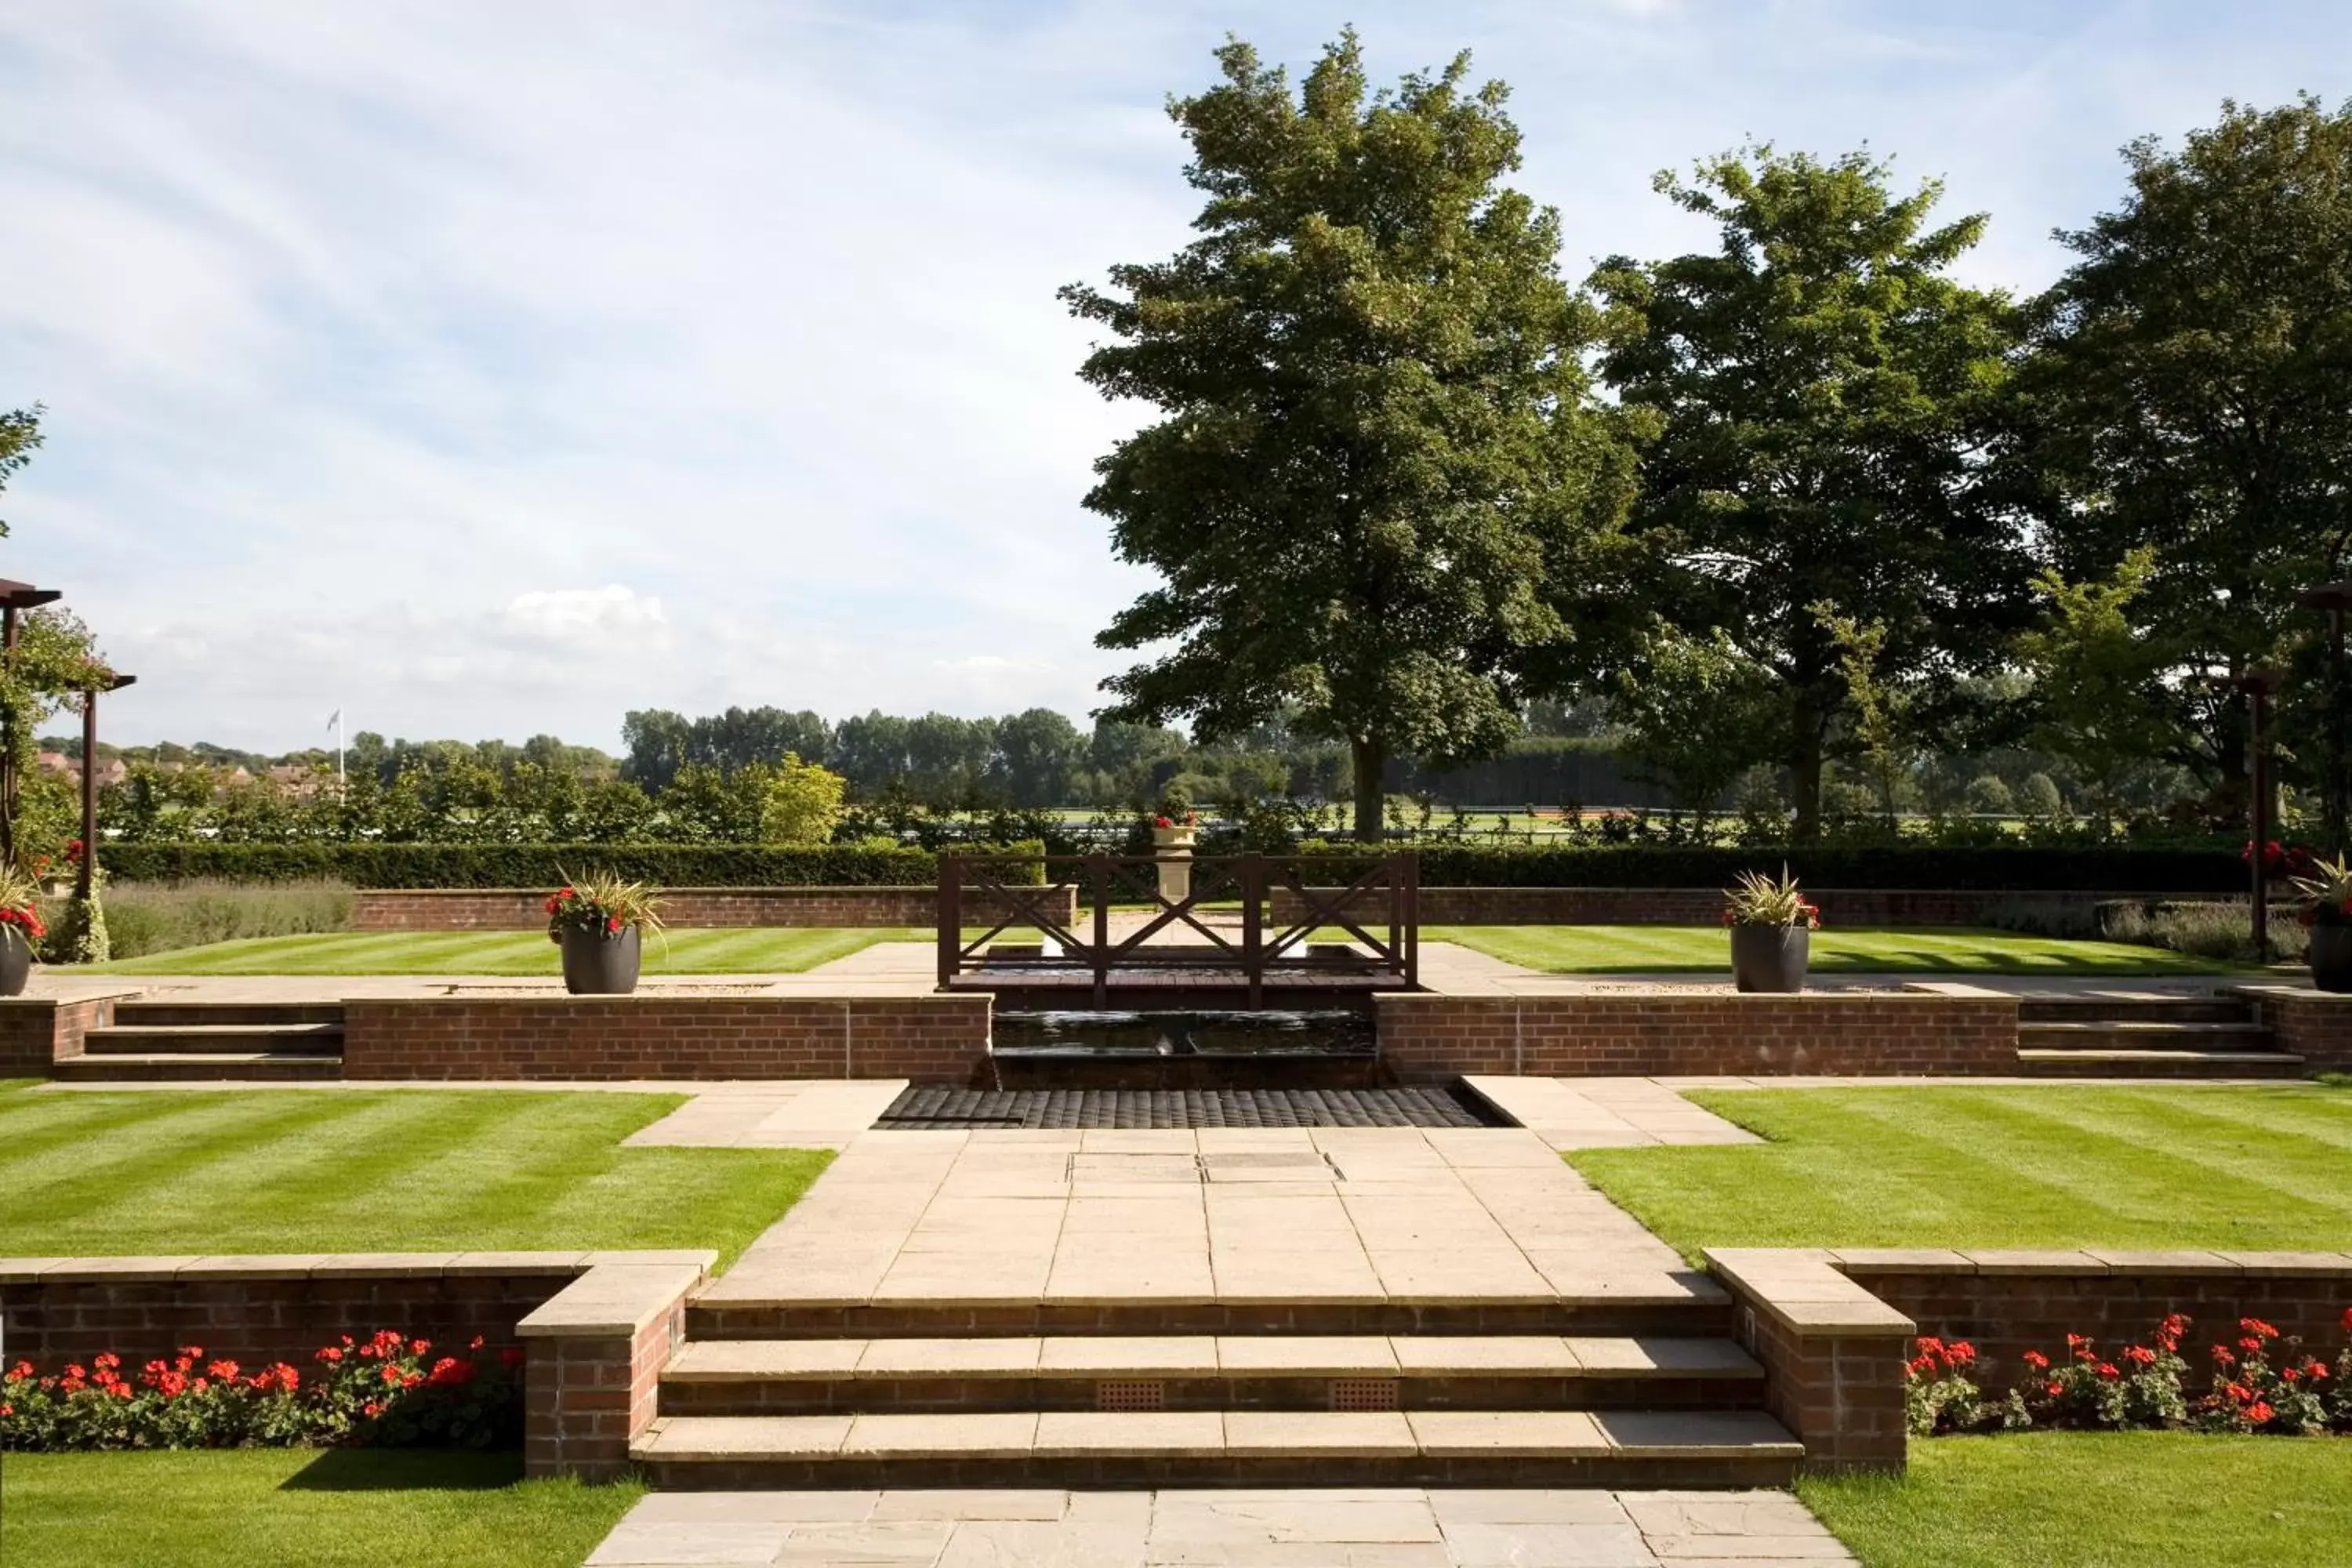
(362, 326)
(585, 614)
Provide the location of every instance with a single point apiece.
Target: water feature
(1322, 1048)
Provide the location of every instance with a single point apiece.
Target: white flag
(334, 719)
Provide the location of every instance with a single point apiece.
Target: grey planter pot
(595, 964)
(2331, 957)
(16, 962)
(1770, 958)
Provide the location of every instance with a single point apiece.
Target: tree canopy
(1377, 448)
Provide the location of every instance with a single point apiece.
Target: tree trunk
(1805, 768)
(1371, 760)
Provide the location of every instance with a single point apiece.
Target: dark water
(1199, 1035)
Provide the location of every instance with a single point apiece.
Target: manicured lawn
(2114, 1499)
(337, 1509)
(2246, 1168)
(763, 950)
(392, 1170)
(1670, 950)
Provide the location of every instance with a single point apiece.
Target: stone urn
(595, 964)
(16, 961)
(2331, 958)
(1173, 846)
(1770, 958)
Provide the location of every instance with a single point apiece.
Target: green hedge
(2115, 870)
(528, 865)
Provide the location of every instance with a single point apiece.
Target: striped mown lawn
(370, 1170)
(2266, 1167)
(759, 950)
(1671, 950)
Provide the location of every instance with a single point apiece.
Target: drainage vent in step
(1363, 1393)
(1130, 1394)
(1413, 1105)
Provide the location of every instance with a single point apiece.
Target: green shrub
(530, 864)
(2219, 928)
(2043, 870)
(161, 917)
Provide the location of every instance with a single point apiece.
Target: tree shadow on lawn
(408, 1469)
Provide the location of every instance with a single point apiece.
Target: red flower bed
(2261, 1382)
(388, 1390)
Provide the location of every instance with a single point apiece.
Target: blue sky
(491, 369)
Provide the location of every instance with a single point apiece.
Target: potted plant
(1173, 830)
(1771, 924)
(20, 928)
(599, 922)
(2326, 896)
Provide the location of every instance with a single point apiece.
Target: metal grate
(1053, 1108)
(1131, 1394)
(1363, 1393)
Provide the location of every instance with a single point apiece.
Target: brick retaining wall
(1934, 1029)
(1841, 907)
(927, 1038)
(37, 1031)
(597, 1327)
(524, 909)
(1833, 1327)
(2314, 1025)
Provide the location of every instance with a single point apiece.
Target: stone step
(1637, 1448)
(1683, 1306)
(1268, 1371)
(200, 1039)
(2142, 1033)
(198, 1066)
(2075, 1063)
(144, 1012)
(2094, 1008)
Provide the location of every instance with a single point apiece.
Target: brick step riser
(866, 1396)
(170, 1015)
(1682, 1321)
(148, 1042)
(2185, 1069)
(131, 1069)
(2103, 1012)
(1146, 1472)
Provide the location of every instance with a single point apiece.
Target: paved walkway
(1356, 1528)
(1312, 1214)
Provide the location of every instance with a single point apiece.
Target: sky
(491, 370)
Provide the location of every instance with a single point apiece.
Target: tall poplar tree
(1831, 399)
(1378, 454)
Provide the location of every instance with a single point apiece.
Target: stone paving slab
(1394, 1528)
(1403, 1214)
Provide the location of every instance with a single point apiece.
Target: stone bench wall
(1841, 907)
(2314, 1025)
(524, 909)
(926, 1038)
(1935, 1029)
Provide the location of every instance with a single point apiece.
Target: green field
(2251, 1168)
(336, 1509)
(759, 950)
(268, 1170)
(1675, 949)
(2112, 1500)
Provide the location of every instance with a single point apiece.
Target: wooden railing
(1378, 913)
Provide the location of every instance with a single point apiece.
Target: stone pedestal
(1173, 845)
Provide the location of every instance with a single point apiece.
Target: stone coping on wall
(212, 1269)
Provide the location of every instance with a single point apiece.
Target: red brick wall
(523, 908)
(256, 1320)
(1704, 905)
(1433, 1036)
(584, 1398)
(2004, 1315)
(931, 1039)
(35, 1031)
(2315, 1024)
(1840, 1395)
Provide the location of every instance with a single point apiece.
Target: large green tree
(1378, 449)
(1830, 398)
(2191, 391)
